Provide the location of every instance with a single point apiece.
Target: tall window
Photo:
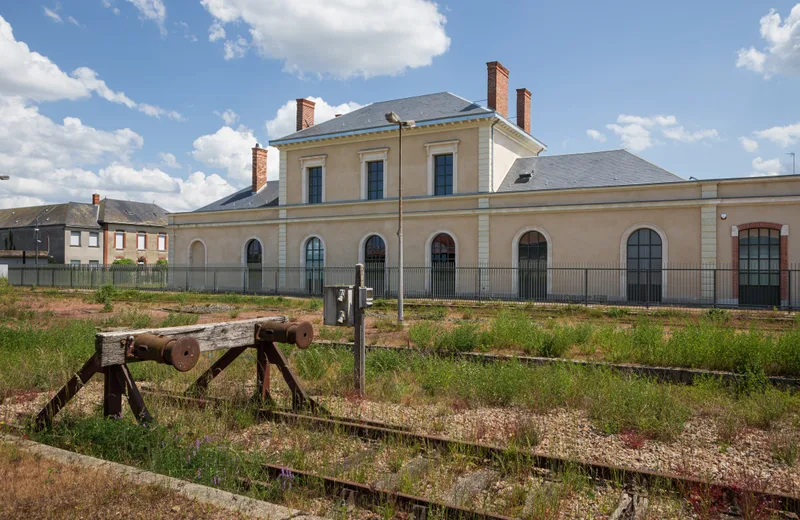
(119, 240)
(141, 241)
(375, 264)
(74, 238)
(443, 174)
(532, 251)
(315, 265)
(374, 180)
(94, 239)
(315, 185)
(443, 265)
(759, 267)
(644, 263)
(162, 241)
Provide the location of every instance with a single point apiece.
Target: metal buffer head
(181, 352)
(300, 333)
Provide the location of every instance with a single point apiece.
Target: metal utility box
(338, 305)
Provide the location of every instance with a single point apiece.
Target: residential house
(478, 193)
(133, 230)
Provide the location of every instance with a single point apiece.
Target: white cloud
(169, 160)
(27, 73)
(781, 135)
(30, 75)
(781, 54)
(235, 49)
(597, 136)
(635, 132)
(762, 168)
(216, 32)
(748, 144)
(285, 120)
(679, 133)
(229, 116)
(228, 149)
(51, 162)
(152, 10)
(341, 38)
(73, 21)
(52, 15)
(187, 32)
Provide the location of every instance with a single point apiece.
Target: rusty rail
(605, 472)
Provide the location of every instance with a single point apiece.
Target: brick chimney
(305, 113)
(95, 198)
(259, 168)
(524, 109)
(498, 87)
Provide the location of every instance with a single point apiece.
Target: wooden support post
(300, 398)
(262, 375)
(359, 344)
(199, 387)
(113, 388)
(45, 417)
(135, 400)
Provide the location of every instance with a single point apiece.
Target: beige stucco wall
(84, 253)
(504, 152)
(343, 166)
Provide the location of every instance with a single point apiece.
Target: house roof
(113, 211)
(246, 199)
(583, 170)
(419, 108)
(73, 214)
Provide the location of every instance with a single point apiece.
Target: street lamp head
(4, 177)
(392, 117)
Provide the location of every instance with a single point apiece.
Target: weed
(617, 312)
(234, 313)
(716, 315)
(785, 448)
(178, 319)
(526, 433)
(422, 334)
(387, 325)
(105, 294)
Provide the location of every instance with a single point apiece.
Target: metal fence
(613, 285)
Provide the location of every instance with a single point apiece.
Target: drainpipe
(491, 166)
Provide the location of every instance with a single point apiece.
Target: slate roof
(583, 170)
(113, 211)
(246, 199)
(419, 108)
(73, 214)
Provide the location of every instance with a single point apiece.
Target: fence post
(70, 278)
(276, 281)
(586, 286)
(37, 275)
(790, 289)
(715, 287)
(214, 278)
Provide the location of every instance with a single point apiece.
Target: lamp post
(4, 177)
(792, 154)
(393, 118)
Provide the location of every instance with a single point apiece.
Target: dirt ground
(37, 488)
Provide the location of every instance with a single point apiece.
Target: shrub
(123, 261)
(105, 293)
(717, 315)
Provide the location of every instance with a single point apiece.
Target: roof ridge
(584, 153)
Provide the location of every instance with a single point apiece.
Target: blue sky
(169, 106)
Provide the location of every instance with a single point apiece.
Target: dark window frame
(375, 179)
(443, 174)
(314, 184)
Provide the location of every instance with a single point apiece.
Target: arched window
(254, 274)
(375, 264)
(197, 263)
(254, 253)
(532, 251)
(644, 264)
(315, 265)
(443, 266)
(760, 267)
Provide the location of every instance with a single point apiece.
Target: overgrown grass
(177, 319)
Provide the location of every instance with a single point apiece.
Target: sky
(162, 100)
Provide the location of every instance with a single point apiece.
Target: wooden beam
(211, 336)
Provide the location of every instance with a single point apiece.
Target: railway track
(629, 478)
(678, 375)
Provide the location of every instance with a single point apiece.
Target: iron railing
(613, 285)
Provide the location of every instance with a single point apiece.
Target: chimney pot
(95, 198)
(259, 168)
(305, 113)
(497, 87)
(524, 109)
